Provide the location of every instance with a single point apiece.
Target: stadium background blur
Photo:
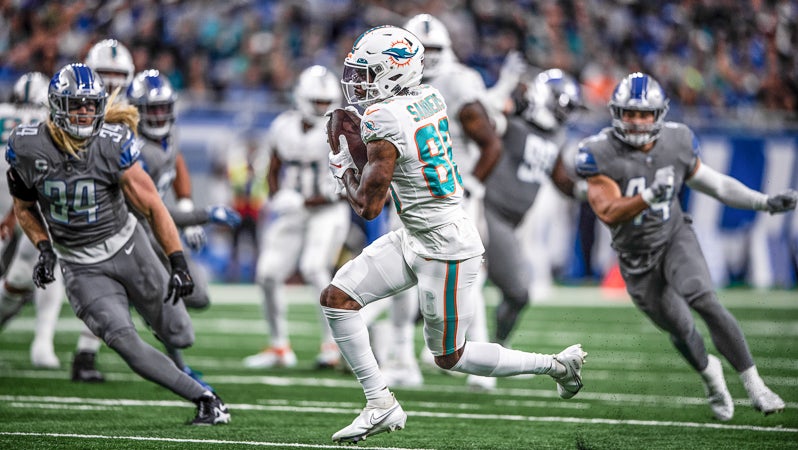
(730, 68)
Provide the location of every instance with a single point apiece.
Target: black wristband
(44, 246)
(178, 261)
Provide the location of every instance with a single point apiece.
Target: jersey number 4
(84, 200)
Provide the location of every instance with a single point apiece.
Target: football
(346, 123)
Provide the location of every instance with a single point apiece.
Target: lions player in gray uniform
(80, 172)
(635, 171)
(532, 150)
(152, 94)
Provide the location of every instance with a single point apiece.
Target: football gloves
(661, 187)
(341, 162)
(180, 282)
(223, 215)
(44, 270)
(195, 237)
(782, 202)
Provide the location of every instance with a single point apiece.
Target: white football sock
(493, 360)
(752, 382)
(48, 307)
(352, 337)
(275, 311)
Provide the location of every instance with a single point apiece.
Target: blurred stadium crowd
(717, 59)
(726, 58)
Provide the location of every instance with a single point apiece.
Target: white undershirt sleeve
(726, 189)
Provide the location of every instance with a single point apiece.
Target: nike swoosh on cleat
(382, 417)
(337, 166)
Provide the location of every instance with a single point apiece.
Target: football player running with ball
(635, 171)
(438, 249)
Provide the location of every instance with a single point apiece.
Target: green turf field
(639, 393)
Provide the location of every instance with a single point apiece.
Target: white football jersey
(305, 167)
(426, 187)
(460, 85)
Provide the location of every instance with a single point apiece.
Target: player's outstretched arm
(737, 195)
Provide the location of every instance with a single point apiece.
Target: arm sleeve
(726, 189)
(183, 218)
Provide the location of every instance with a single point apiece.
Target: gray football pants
(681, 281)
(507, 269)
(101, 295)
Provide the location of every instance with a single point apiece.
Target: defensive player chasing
(635, 171)
(405, 128)
(75, 173)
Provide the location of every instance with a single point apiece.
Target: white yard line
(191, 441)
(76, 403)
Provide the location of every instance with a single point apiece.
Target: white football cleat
(271, 357)
(480, 383)
(767, 402)
(373, 420)
(572, 358)
(720, 400)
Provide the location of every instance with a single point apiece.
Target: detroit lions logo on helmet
(400, 53)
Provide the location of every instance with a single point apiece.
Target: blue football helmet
(550, 99)
(153, 95)
(72, 88)
(638, 92)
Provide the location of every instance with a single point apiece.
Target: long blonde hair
(114, 113)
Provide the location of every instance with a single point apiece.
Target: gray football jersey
(633, 171)
(158, 160)
(528, 156)
(80, 199)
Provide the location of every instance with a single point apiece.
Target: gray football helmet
(153, 95)
(77, 99)
(638, 92)
(550, 99)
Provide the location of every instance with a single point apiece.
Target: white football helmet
(384, 61)
(437, 43)
(638, 92)
(153, 95)
(72, 89)
(31, 89)
(316, 91)
(112, 61)
(550, 99)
